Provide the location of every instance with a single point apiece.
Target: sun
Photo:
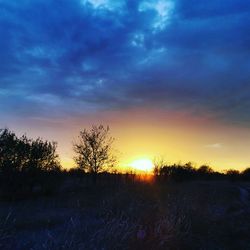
(143, 165)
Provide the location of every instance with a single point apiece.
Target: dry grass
(6, 229)
(129, 216)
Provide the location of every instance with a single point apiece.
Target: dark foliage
(26, 163)
(233, 175)
(246, 174)
(186, 172)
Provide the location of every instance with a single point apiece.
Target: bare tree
(93, 149)
(159, 163)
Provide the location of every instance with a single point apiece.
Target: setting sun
(143, 165)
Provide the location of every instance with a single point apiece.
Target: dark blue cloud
(76, 56)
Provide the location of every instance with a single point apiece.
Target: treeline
(32, 164)
(26, 163)
(187, 172)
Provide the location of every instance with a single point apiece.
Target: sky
(170, 77)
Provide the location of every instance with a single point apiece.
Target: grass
(189, 215)
(6, 228)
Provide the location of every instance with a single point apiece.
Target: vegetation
(94, 150)
(25, 162)
(43, 206)
(129, 215)
(28, 164)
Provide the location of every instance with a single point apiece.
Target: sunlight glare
(143, 165)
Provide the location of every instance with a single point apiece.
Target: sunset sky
(170, 77)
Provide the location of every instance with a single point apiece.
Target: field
(130, 215)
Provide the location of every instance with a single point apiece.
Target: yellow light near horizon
(143, 165)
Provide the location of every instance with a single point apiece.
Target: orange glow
(146, 133)
(149, 178)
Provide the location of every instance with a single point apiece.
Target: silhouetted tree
(177, 172)
(93, 150)
(159, 163)
(204, 172)
(183, 172)
(23, 161)
(246, 174)
(233, 175)
(13, 152)
(205, 169)
(43, 156)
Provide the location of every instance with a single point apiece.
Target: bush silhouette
(246, 174)
(177, 172)
(204, 172)
(233, 175)
(25, 162)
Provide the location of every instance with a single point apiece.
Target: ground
(130, 215)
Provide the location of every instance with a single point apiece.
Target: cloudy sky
(171, 77)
